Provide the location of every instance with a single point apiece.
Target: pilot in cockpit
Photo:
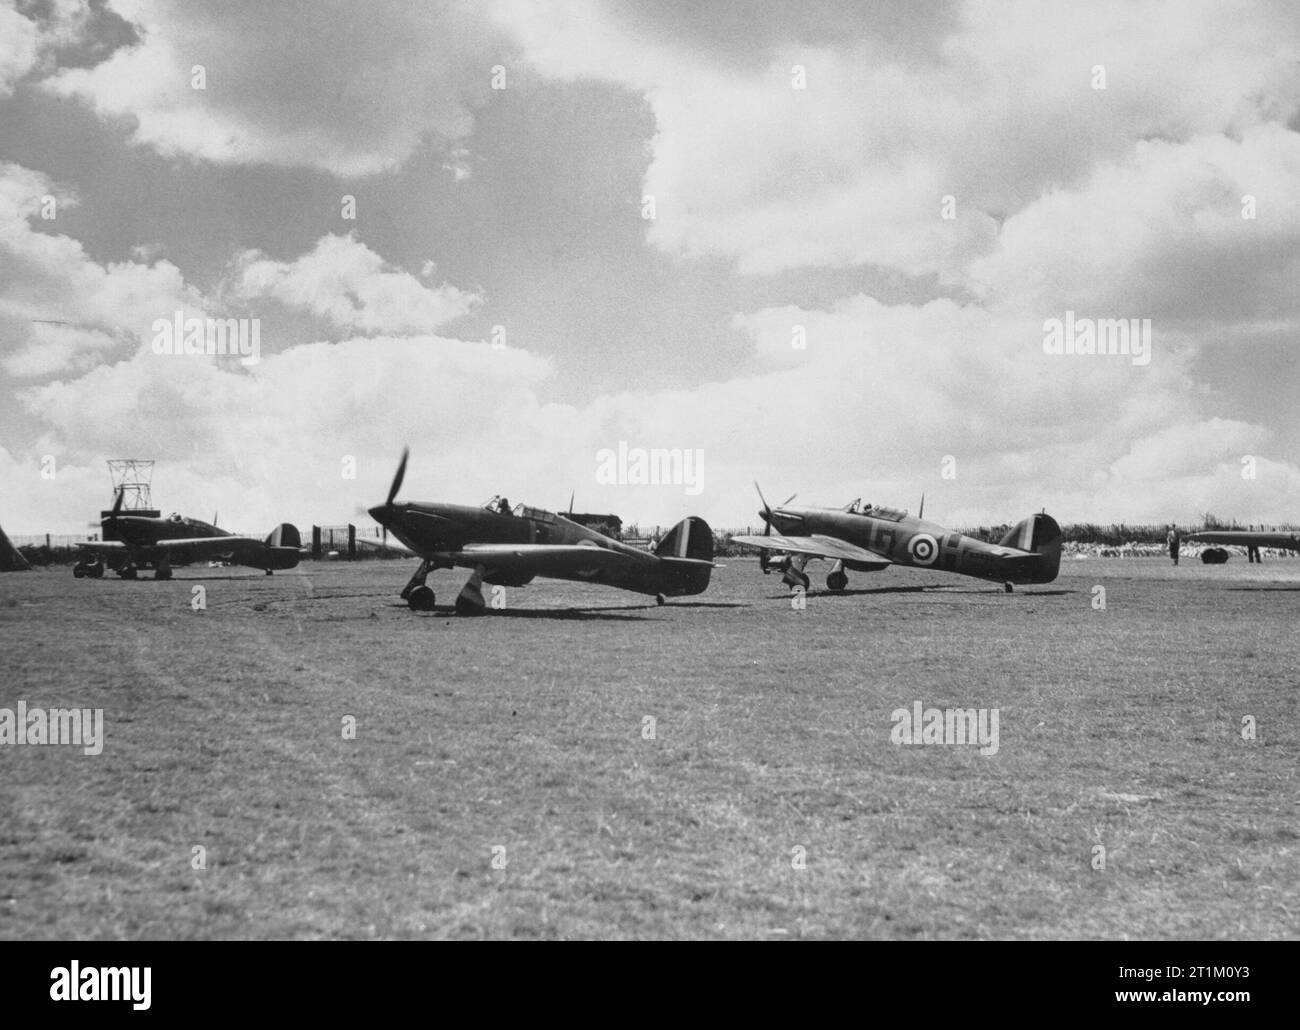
(175, 517)
(503, 506)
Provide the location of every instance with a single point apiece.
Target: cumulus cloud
(343, 280)
(19, 45)
(59, 308)
(852, 169)
(349, 89)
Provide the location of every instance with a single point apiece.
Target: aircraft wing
(102, 546)
(538, 559)
(1246, 538)
(207, 547)
(817, 545)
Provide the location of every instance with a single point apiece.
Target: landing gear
(1006, 587)
(416, 581)
(792, 574)
(162, 572)
(89, 569)
(420, 599)
(837, 581)
(128, 571)
(269, 572)
(659, 599)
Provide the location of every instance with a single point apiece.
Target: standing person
(1173, 540)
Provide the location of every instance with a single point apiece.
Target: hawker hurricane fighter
(507, 546)
(130, 541)
(870, 539)
(1246, 538)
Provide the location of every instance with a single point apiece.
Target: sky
(821, 246)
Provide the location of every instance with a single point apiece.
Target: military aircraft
(508, 547)
(143, 539)
(1246, 538)
(868, 538)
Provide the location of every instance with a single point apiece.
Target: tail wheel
(421, 599)
(837, 581)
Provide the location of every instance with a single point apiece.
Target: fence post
(315, 542)
(352, 542)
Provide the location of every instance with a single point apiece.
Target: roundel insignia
(923, 548)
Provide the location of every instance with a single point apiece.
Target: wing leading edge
(818, 546)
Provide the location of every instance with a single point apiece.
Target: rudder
(1041, 535)
(690, 538)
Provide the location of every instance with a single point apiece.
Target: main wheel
(421, 599)
(837, 581)
(800, 579)
(80, 570)
(95, 570)
(659, 598)
(162, 573)
(127, 572)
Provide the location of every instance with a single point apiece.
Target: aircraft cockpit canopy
(175, 517)
(856, 507)
(501, 506)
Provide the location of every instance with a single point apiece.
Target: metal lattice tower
(133, 476)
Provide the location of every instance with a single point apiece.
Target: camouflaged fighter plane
(1246, 538)
(870, 539)
(130, 541)
(509, 546)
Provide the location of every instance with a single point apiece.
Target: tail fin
(1040, 535)
(687, 556)
(282, 546)
(284, 535)
(690, 538)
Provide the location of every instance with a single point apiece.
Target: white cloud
(19, 46)
(853, 168)
(349, 89)
(59, 308)
(345, 281)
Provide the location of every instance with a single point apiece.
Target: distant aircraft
(869, 539)
(508, 547)
(1246, 538)
(162, 541)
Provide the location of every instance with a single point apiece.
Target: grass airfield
(525, 730)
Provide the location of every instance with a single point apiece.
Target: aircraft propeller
(397, 479)
(767, 508)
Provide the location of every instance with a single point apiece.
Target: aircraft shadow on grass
(956, 591)
(561, 614)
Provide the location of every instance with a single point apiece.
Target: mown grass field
(524, 730)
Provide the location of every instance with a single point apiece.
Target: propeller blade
(789, 499)
(766, 507)
(117, 504)
(397, 479)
